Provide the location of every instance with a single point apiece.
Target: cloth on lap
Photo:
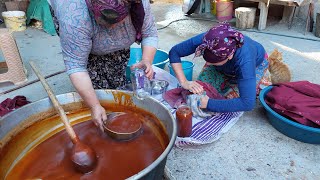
(178, 96)
(192, 101)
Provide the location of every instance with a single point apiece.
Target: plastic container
(213, 7)
(224, 10)
(15, 20)
(289, 127)
(160, 59)
(187, 67)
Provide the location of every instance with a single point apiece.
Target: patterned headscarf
(109, 12)
(219, 43)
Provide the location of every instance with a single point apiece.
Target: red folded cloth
(299, 101)
(9, 105)
(176, 97)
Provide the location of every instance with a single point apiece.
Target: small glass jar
(141, 85)
(184, 120)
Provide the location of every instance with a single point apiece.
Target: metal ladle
(133, 134)
(120, 136)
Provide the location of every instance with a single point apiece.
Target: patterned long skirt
(108, 71)
(226, 85)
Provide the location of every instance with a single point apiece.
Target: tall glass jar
(141, 85)
(184, 120)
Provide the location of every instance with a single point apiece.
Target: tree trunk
(245, 17)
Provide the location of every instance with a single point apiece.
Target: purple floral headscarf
(109, 12)
(219, 43)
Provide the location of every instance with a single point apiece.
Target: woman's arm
(82, 82)
(246, 101)
(75, 37)
(183, 49)
(246, 75)
(148, 53)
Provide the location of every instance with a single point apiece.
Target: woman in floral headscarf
(95, 39)
(235, 65)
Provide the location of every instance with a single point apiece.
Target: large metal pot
(20, 119)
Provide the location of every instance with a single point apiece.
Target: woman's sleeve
(185, 48)
(149, 29)
(75, 31)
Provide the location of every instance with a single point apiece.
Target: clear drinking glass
(141, 85)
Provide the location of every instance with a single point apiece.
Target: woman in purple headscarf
(235, 65)
(96, 36)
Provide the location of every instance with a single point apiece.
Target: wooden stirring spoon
(83, 157)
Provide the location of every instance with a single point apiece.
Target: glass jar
(141, 85)
(184, 121)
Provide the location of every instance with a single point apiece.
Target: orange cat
(279, 71)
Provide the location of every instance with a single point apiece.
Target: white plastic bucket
(15, 20)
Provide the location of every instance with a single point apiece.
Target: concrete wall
(303, 11)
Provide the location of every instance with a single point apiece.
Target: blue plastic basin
(187, 67)
(289, 127)
(160, 59)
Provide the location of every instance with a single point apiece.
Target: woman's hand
(204, 102)
(83, 85)
(144, 64)
(98, 114)
(192, 86)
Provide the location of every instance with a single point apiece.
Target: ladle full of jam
(122, 126)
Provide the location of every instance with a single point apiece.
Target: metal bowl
(158, 86)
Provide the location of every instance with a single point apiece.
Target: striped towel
(205, 130)
(208, 130)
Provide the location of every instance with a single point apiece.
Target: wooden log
(263, 15)
(318, 25)
(245, 17)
